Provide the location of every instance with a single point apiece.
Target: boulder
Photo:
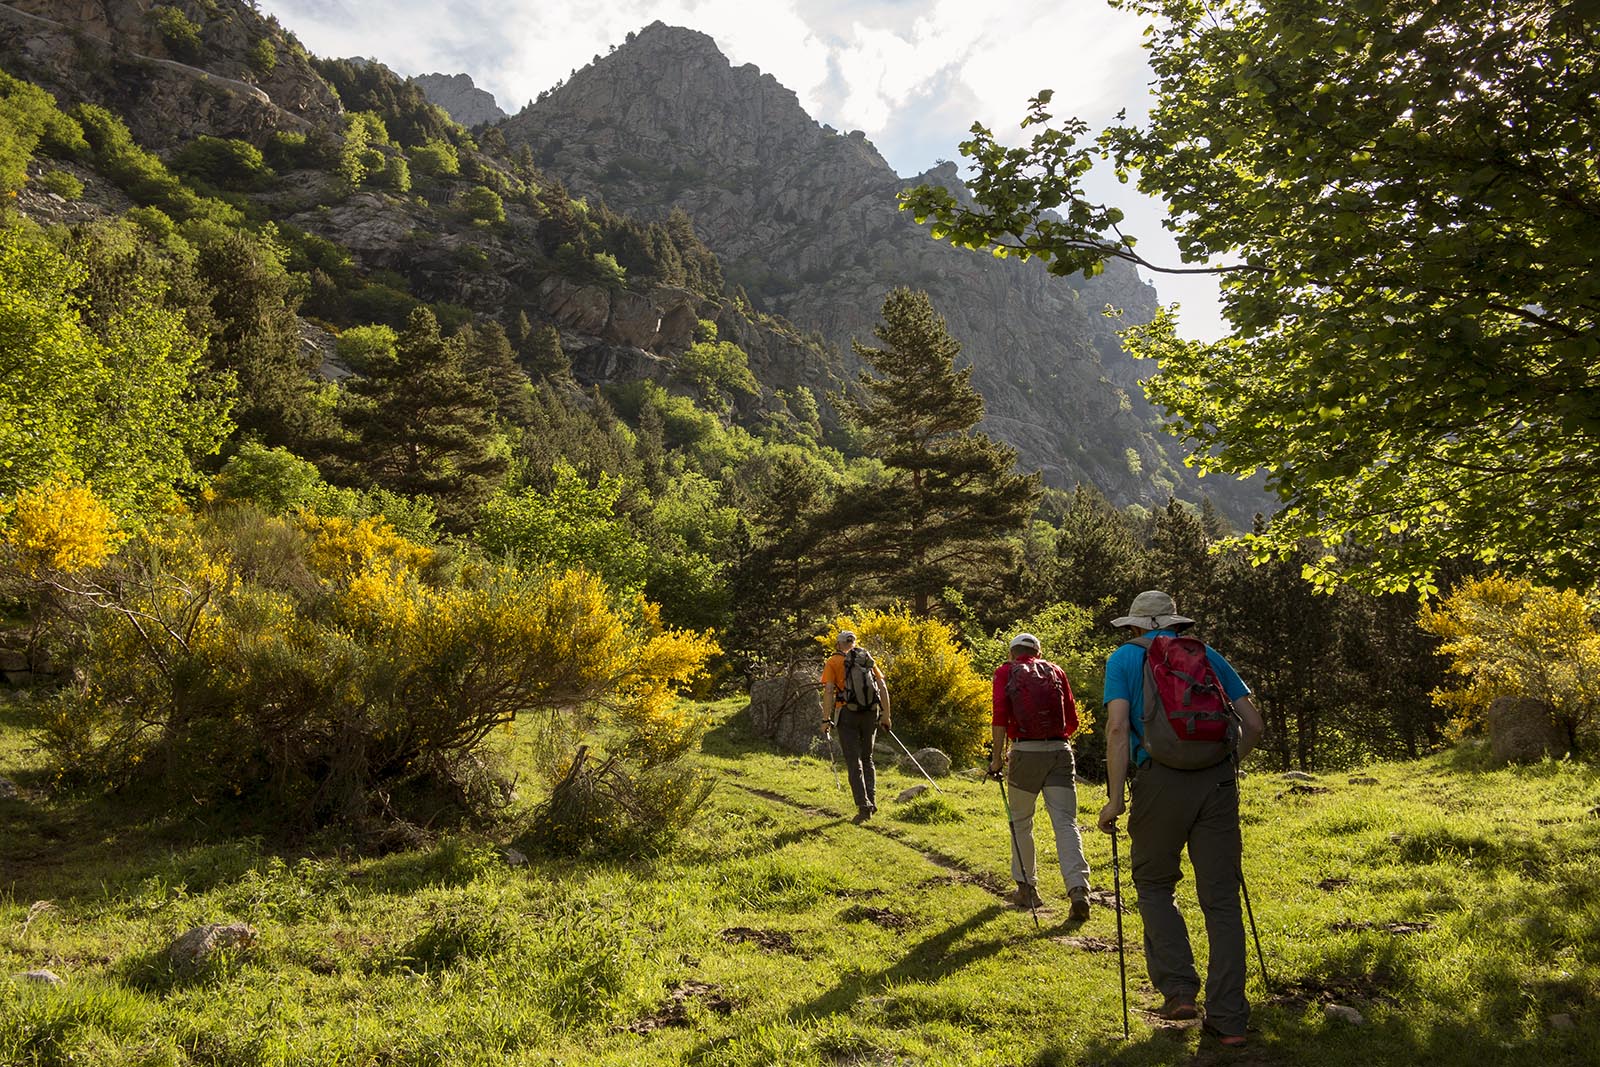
(1363, 780)
(635, 320)
(785, 710)
(1558, 1021)
(1522, 731)
(936, 763)
(1343, 1013)
(1297, 776)
(908, 795)
(8, 789)
(515, 858)
(41, 977)
(197, 947)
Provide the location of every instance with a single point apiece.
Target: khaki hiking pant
(1198, 810)
(1049, 774)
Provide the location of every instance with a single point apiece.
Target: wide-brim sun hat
(845, 637)
(1025, 641)
(1152, 610)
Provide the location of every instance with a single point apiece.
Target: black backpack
(860, 685)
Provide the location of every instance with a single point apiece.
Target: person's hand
(1110, 813)
(996, 762)
(826, 728)
(885, 723)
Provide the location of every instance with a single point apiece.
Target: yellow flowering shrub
(342, 548)
(1510, 637)
(60, 525)
(937, 697)
(330, 699)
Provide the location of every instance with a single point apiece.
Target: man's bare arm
(1116, 763)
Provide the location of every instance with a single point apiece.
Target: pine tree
(953, 502)
(1181, 561)
(422, 427)
(543, 356)
(1096, 557)
(493, 366)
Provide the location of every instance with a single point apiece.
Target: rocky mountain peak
(806, 220)
(461, 99)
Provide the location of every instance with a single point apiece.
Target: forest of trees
(376, 571)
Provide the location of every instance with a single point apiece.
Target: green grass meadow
(1456, 907)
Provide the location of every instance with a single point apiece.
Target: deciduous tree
(1403, 197)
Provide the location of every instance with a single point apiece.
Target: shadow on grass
(932, 958)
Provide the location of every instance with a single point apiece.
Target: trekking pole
(913, 760)
(833, 764)
(1255, 934)
(1260, 959)
(1122, 952)
(1016, 849)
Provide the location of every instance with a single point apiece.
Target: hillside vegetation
(1455, 908)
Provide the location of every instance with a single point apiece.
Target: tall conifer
(953, 501)
(421, 426)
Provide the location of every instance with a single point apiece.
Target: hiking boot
(1177, 1007)
(1028, 897)
(1079, 895)
(862, 815)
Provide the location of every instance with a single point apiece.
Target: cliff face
(805, 218)
(461, 99)
(171, 80)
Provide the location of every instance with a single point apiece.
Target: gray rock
(1522, 731)
(1297, 776)
(195, 948)
(1559, 1021)
(515, 858)
(936, 763)
(1343, 1013)
(463, 100)
(910, 794)
(1363, 781)
(42, 977)
(8, 789)
(786, 710)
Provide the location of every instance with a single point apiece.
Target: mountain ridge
(806, 220)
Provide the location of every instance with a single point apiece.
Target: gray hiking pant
(857, 730)
(1050, 774)
(1199, 810)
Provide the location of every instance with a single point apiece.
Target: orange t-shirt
(833, 672)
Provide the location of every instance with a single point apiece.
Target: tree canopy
(1404, 202)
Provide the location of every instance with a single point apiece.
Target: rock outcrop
(783, 710)
(806, 220)
(464, 101)
(1522, 731)
(114, 52)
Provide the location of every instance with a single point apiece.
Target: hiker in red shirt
(1034, 711)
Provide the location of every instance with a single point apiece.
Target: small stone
(8, 789)
(1343, 1014)
(515, 858)
(195, 948)
(907, 795)
(1297, 776)
(1559, 1021)
(41, 977)
(1363, 781)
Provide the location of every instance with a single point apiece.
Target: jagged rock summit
(464, 101)
(806, 220)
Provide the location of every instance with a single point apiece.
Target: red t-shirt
(1002, 705)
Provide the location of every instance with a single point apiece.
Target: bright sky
(913, 74)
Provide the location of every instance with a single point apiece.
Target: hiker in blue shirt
(1188, 798)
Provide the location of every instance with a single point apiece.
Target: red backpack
(1188, 720)
(1038, 701)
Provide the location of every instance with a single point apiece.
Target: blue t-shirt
(1125, 681)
